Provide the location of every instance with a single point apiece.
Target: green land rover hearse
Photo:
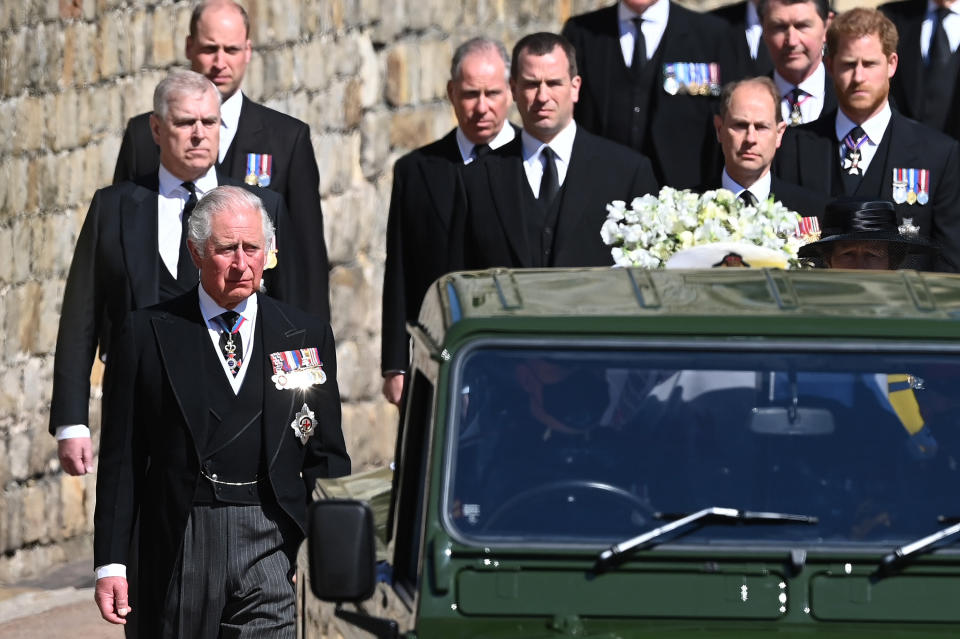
(622, 453)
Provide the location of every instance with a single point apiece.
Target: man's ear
(717, 123)
(195, 255)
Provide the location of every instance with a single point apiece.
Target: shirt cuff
(394, 372)
(72, 431)
(111, 570)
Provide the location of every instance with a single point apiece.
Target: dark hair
(542, 43)
(727, 95)
(822, 6)
(860, 22)
(206, 4)
(477, 45)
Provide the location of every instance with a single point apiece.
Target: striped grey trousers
(233, 576)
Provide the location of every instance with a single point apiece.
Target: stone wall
(367, 75)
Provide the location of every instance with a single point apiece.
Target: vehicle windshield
(575, 445)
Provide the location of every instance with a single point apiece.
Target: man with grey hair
(422, 201)
(131, 251)
(221, 410)
(259, 145)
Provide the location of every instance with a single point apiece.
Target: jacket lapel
(506, 179)
(435, 174)
(182, 331)
(910, 69)
(279, 335)
(249, 128)
(577, 192)
(140, 246)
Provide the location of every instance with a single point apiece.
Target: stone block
(13, 514)
(166, 43)
(374, 142)
(355, 299)
(22, 249)
(434, 70)
(34, 522)
(13, 63)
(278, 71)
(311, 66)
(43, 57)
(135, 53)
(30, 123)
(73, 512)
(62, 124)
(398, 86)
(29, 315)
(370, 433)
(326, 109)
(253, 78)
(128, 99)
(369, 73)
(9, 396)
(70, 9)
(348, 220)
(75, 191)
(51, 296)
(108, 44)
(410, 129)
(6, 256)
(358, 370)
(18, 453)
(391, 23)
(283, 21)
(338, 157)
(81, 38)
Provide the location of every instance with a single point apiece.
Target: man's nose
(542, 92)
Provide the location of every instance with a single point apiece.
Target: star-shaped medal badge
(304, 423)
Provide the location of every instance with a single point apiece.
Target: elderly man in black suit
(868, 150)
(541, 200)
(744, 20)
(795, 32)
(261, 146)
(131, 251)
(750, 128)
(422, 201)
(221, 410)
(925, 86)
(651, 72)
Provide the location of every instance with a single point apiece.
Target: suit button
(636, 109)
(213, 476)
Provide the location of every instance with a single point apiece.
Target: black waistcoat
(234, 445)
(540, 223)
(872, 181)
(631, 104)
(168, 286)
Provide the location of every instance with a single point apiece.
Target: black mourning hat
(853, 219)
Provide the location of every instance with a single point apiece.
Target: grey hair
(179, 83)
(225, 199)
(476, 45)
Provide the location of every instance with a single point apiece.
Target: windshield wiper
(613, 554)
(895, 559)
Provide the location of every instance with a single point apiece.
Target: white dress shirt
(951, 24)
(753, 29)
(562, 147)
(653, 25)
(760, 188)
(229, 117)
(874, 128)
(815, 87)
(171, 201)
(505, 135)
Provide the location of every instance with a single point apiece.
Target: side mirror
(341, 550)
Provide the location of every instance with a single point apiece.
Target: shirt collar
(760, 188)
(561, 144)
(874, 127)
(505, 135)
(210, 309)
(658, 13)
(170, 184)
(933, 6)
(815, 85)
(230, 110)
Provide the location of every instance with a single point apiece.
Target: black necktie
(231, 344)
(186, 269)
(938, 54)
(749, 198)
(793, 100)
(550, 182)
(480, 151)
(639, 47)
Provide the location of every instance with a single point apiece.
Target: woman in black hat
(863, 234)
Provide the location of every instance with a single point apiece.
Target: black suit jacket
(294, 175)
(681, 126)
(735, 15)
(907, 86)
(155, 412)
(810, 157)
(116, 269)
(600, 171)
(418, 231)
(796, 198)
